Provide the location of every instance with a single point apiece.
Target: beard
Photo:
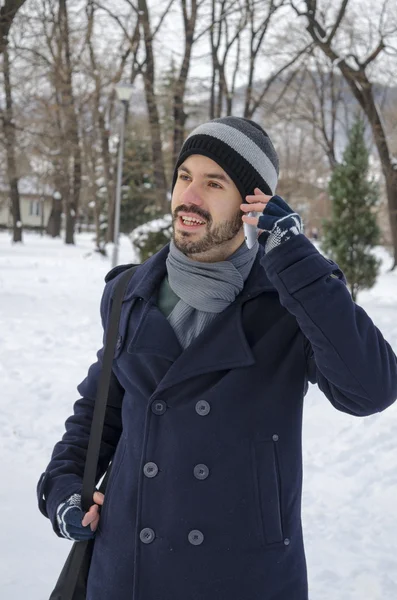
(214, 235)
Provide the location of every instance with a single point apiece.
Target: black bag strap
(98, 419)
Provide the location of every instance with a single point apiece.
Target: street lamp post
(123, 91)
(42, 206)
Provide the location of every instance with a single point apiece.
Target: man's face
(205, 193)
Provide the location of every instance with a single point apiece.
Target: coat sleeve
(64, 474)
(347, 355)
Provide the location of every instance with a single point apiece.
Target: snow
(141, 233)
(337, 60)
(29, 185)
(50, 331)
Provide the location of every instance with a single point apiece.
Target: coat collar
(150, 274)
(222, 345)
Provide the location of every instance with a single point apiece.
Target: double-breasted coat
(204, 497)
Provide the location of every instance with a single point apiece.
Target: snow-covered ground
(50, 330)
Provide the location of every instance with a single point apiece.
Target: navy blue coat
(204, 499)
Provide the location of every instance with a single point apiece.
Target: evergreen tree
(138, 197)
(352, 232)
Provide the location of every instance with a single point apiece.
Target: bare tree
(148, 72)
(260, 18)
(99, 107)
(242, 29)
(8, 12)
(258, 22)
(228, 20)
(358, 73)
(319, 97)
(71, 124)
(56, 55)
(146, 67)
(189, 24)
(10, 144)
(99, 120)
(104, 95)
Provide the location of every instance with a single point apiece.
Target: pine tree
(138, 199)
(352, 232)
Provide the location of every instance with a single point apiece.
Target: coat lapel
(155, 336)
(223, 344)
(151, 332)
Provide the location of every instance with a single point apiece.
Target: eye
(214, 184)
(183, 176)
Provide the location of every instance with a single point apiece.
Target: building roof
(29, 186)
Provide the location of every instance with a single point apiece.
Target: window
(34, 208)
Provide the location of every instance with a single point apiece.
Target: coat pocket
(268, 490)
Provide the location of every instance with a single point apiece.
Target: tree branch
(156, 29)
(35, 53)
(276, 75)
(7, 14)
(373, 55)
(338, 21)
(115, 17)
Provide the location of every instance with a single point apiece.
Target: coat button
(202, 408)
(201, 471)
(195, 537)
(147, 535)
(275, 438)
(150, 469)
(159, 407)
(287, 542)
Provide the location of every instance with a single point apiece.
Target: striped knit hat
(241, 147)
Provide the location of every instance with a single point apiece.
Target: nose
(191, 195)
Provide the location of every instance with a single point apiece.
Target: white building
(35, 203)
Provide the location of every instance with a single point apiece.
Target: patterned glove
(69, 517)
(279, 224)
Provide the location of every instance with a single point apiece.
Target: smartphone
(250, 232)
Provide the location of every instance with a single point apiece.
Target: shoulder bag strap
(98, 419)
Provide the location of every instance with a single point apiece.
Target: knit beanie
(241, 147)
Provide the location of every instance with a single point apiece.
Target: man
(217, 344)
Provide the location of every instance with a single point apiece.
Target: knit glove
(279, 224)
(69, 517)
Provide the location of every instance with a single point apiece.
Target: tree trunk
(179, 96)
(8, 11)
(157, 148)
(212, 92)
(10, 143)
(72, 200)
(391, 187)
(179, 125)
(55, 218)
(103, 131)
(213, 59)
(107, 172)
(154, 119)
(248, 91)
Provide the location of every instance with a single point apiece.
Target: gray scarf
(204, 289)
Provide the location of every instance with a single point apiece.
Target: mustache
(192, 209)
